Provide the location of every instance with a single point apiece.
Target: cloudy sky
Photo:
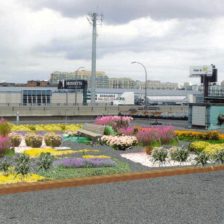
(38, 37)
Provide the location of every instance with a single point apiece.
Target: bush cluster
(15, 139)
(52, 139)
(33, 140)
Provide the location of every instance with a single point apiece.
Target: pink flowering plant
(127, 131)
(119, 142)
(5, 127)
(115, 121)
(150, 135)
(4, 144)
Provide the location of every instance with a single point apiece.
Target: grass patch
(64, 173)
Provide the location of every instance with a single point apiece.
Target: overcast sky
(38, 37)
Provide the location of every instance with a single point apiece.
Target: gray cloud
(125, 10)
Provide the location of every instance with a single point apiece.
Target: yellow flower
(96, 157)
(35, 152)
(46, 127)
(13, 178)
(86, 150)
(198, 146)
(213, 149)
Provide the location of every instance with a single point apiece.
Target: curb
(77, 182)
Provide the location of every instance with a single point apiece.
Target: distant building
(7, 84)
(121, 83)
(36, 83)
(102, 80)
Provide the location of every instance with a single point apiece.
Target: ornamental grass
(149, 135)
(13, 178)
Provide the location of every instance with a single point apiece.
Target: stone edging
(37, 186)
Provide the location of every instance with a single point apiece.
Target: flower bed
(13, 178)
(115, 121)
(46, 127)
(198, 135)
(82, 162)
(119, 142)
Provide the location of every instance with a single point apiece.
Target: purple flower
(81, 162)
(97, 162)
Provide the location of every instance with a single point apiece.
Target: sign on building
(72, 84)
(196, 71)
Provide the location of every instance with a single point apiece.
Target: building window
(36, 97)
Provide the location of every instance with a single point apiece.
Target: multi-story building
(121, 83)
(154, 84)
(102, 80)
(35, 83)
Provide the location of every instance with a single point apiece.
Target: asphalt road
(188, 199)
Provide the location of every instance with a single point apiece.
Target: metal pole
(135, 62)
(93, 76)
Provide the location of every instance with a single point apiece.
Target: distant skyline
(38, 37)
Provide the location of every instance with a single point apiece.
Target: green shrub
(202, 159)
(22, 165)
(5, 127)
(45, 161)
(198, 146)
(33, 140)
(4, 165)
(109, 130)
(179, 154)
(53, 140)
(219, 156)
(159, 154)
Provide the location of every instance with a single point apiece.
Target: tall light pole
(135, 62)
(77, 70)
(93, 19)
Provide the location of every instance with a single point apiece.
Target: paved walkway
(188, 199)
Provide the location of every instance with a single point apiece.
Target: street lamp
(77, 70)
(135, 62)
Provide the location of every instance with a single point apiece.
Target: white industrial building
(51, 96)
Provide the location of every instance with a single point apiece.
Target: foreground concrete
(197, 198)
